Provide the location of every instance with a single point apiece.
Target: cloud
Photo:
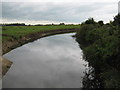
(60, 0)
(56, 12)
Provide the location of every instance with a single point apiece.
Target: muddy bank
(13, 43)
(4, 66)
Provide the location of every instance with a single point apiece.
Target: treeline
(101, 47)
(13, 24)
(23, 24)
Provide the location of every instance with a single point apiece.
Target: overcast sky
(56, 11)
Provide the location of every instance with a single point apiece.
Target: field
(14, 36)
(19, 31)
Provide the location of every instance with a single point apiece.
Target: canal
(50, 62)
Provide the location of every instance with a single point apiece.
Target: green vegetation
(101, 47)
(15, 35)
(19, 31)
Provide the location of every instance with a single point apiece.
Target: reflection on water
(92, 79)
(50, 62)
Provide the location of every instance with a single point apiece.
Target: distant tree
(52, 23)
(15, 24)
(107, 23)
(100, 23)
(29, 25)
(62, 24)
(117, 20)
(111, 22)
(90, 21)
(38, 25)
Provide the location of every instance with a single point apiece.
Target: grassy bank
(101, 47)
(13, 36)
(19, 31)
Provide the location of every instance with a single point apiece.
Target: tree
(62, 24)
(117, 20)
(90, 21)
(101, 23)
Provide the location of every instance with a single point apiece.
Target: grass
(18, 31)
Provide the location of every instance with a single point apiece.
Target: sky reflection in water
(50, 62)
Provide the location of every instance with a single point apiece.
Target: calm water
(50, 62)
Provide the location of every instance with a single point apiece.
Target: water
(50, 62)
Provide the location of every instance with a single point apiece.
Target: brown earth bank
(4, 66)
(14, 43)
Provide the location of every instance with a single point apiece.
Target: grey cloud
(60, 12)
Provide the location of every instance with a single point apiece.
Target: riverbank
(12, 41)
(6, 64)
(14, 36)
(101, 47)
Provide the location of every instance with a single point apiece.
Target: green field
(18, 31)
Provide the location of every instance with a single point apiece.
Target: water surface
(50, 62)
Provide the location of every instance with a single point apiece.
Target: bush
(101, 47)
(90, 21)
(101, 23)
(117, 20)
